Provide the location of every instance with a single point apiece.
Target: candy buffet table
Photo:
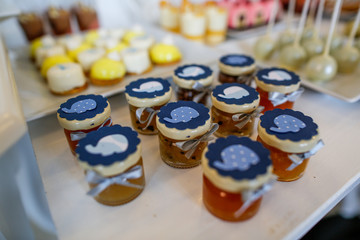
(171, 203)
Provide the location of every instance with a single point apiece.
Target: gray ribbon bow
(148, 120)
(251, 196)
(277, 98)
(189, 146)
(121, 179)
(76, 136)
(244, 118)
(297, 159)
(202, 89)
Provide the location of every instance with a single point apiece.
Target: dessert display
(216, 23)
(184, 129)
(146, 97)
(111, 157)
(106, 71)
(165, 52)
(236, 68)
(59, 20)
(278, 88)
(237, 172)
(52, 61)
(66, 78)
(86, 17)
(47, 51)
(88, 57)
(292, 138)
(234, 108)
(32, 25)
(193, 82)
(136, 60)
(81, 115)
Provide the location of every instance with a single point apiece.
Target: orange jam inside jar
(236, 174)
(278, 88)
(81, 115)
(114, 168)
(235, 107)
(193, 82)
(184, 130)
(291, 138)
(145, 97)
(236, 68)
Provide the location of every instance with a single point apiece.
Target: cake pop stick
(293, 56)
(324, 67)
(309, 25)
(348, 56)
(288, 36)
(265, 46)
(314, 45)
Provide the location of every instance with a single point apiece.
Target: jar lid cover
(193, 72)
(183, 115)
(235, 93)
(83, 107)
(148, 88)
(277, 76)
(237, 60)
(287, 124)
(238, 157)
(108, 145)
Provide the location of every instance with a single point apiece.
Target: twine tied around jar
(250, 196)
(278, 98)
(203, 90)
(76, 136)
(297, 159)
(152, 112)
(121, 179)
(244, 118)
(189, 146)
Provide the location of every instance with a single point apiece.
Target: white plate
(344, 87)
(37, 101)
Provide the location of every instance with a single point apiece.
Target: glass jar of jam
(236, 173)
(292, 138)
(146, 97)
(278, 88)
(236, 68)
(193, 82)
(234, 107)
(111, 157)
(83, 114)
(184, 130)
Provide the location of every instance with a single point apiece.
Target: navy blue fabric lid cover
(107, 145)
(235, 93)
(193, 72)
(238, 157)
(237, 60)
(82, 107)
(278, 76)
(287, 124)
(148, 88)
(183, 115)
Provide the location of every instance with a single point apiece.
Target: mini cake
(71, 41)
(88, 57)
(278, 88)
(106, 42)
(235, 107)
(184, 130)
(106, 71)
(81, 115)
(193, 25)
(292, 138)
(236, 68)
(59, 20)
(86, 17)
(145, 98)
(216, 27)
(136, 60)
(47, 51)
(32, 25)
(45, 41)
(193, 82)
(134, 32)
(66, 78)
(92, 35)
(169, 16)
(116, 33)
(73, 53)
(114, 168)
(52, 61)
(165, 52)
(237, 172)
(142, 42)
(118, 48)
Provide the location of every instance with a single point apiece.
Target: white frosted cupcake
(136, 60)
(88, 57)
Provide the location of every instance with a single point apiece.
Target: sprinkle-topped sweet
(239, 161)
(237, 60)
(277, 76)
